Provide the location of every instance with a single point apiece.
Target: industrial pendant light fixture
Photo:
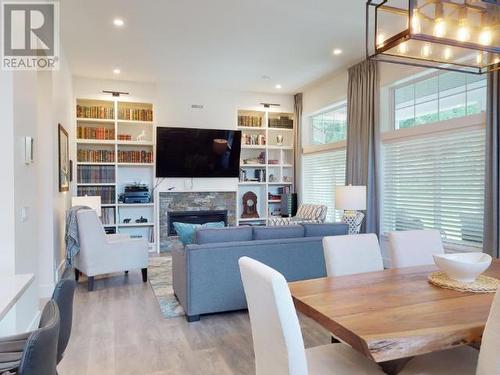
(458, 35)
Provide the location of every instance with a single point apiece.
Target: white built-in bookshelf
(261, 150)
(115, 147)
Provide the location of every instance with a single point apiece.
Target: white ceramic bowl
(465, 267)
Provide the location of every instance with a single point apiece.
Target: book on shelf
(107, 193)
(108, 215)
(95, 156)
(96, 174)
(284, 190)
(250, 121)
(283, 122)
(95, 133)
(140, 157)
(135, 114)
(95, 112)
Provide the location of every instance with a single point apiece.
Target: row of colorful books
(108, 215)
(83, 132)
(252, 121)
(135, 114)
(94, 111)
(91, 174)
(107, 193)
(95, 156)
(135, 156)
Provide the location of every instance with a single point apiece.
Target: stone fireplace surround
(174, 201)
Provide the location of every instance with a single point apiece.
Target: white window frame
(419, 78)
(309, 148)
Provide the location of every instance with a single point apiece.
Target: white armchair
(101, 253)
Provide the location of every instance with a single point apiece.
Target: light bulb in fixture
(117, 71)
(479, 59)
(463, 32)
(118, 22)
(403, 48)
(485, 37)
(337, 51)
(415, 22)
(447, 53)
(426, 50)
(440, 28)
(278, 86)
(380, 40)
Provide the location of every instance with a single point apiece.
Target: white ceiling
(224, 43)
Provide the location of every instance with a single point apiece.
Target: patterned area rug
(160, 278)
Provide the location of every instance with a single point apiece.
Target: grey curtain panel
(363, 133)
(297, 141)
(492, 175)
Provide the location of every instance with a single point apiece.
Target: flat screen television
(185, 152)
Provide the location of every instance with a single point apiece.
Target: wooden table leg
(395, 366)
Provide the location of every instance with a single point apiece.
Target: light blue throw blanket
(71, 237)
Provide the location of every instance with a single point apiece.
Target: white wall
(333, 88)
(29, 243)
(7, 226)
(62, 113)
(173, 103)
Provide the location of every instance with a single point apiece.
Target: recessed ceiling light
(337, 51)
(117, 71)
(278, 86)
(118, 22)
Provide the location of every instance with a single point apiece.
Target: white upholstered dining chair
(278, 343)
(351, 254)
(464, 360)
(410, 248)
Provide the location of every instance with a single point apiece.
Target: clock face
(250, 203)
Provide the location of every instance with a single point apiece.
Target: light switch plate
(28, 150)
(25, 211)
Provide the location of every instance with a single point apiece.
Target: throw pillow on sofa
(187, 231)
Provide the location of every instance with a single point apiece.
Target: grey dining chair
(11, 347)
(39, 356)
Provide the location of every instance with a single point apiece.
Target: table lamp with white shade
(94, 202)
(351, 199)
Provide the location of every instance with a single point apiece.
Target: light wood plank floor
(118, 329)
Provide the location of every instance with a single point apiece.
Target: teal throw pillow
(187, 231)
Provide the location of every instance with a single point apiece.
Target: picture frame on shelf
(64, 162)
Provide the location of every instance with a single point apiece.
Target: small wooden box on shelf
(115, 148)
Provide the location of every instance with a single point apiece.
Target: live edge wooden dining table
(395, 313)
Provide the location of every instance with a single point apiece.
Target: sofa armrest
(179, 275)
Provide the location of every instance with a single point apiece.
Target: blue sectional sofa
(206, 277)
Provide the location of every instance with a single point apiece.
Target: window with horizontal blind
(321, 172)
(436, 181)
